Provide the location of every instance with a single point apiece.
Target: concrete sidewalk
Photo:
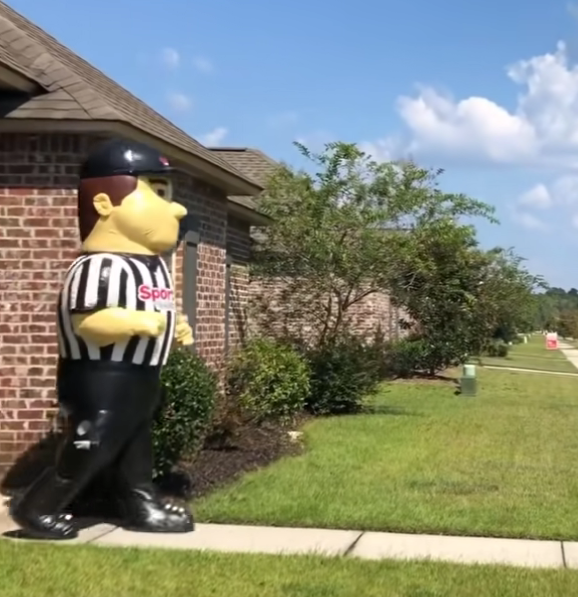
(521, 370)
(569, 352)
(351, 544)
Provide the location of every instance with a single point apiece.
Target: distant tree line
(556, 310)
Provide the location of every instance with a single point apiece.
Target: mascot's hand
(152, 324)
(183, 331)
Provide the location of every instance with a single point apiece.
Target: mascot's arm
(114, 324)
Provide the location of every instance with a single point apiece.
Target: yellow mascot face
(146, 221)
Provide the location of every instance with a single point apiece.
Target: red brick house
(53, 107)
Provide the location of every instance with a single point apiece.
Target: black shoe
(39, 511)
(146, 513)
(45, 526)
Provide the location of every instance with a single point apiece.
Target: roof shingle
(253, 163)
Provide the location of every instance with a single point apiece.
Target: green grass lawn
(532, 356)
(32, 570)
(500, 464)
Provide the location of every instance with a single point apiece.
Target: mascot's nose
(178, 210)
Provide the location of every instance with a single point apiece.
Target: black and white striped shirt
(97, 281)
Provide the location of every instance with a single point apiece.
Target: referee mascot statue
(116, 323)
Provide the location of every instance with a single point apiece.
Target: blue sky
(483, 90)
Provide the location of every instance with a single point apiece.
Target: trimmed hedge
(189, 393)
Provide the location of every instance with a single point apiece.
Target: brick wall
(376, 312)
(38, 240)
(275, 308)
(239, 251)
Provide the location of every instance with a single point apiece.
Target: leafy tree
(349, 226)
(458, 296)
(506, 299)
(340, 232)
(567, 323)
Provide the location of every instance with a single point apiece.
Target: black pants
(109, 409)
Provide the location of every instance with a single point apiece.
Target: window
(190, 262)
(189, 237)
(228, 313)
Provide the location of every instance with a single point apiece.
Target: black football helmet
(119, 157)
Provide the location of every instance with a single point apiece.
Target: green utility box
(468, 381)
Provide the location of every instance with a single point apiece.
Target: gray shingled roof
(252, 163)
(75, 90)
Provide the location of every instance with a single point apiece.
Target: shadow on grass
(559, 407)
(425, 377)
(394, 411)
(453, 487)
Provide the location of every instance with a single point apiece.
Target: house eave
(15, 81)
(253, 217)
(194, 165)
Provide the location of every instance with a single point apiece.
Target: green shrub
(228, 419)
(182, 421)
(270, 379)
(343, 373)
(498, 349)
(406, 357)
(503, 350)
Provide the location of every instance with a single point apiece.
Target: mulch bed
(251, 448)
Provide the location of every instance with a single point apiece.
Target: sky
(487, 91)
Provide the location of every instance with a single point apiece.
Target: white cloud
(561, 194)
(472, 126)
(383, 150)
(541, 129)
(538, 197)
(203, 65)
(170, 58)
(215, 137)
(179, 102)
